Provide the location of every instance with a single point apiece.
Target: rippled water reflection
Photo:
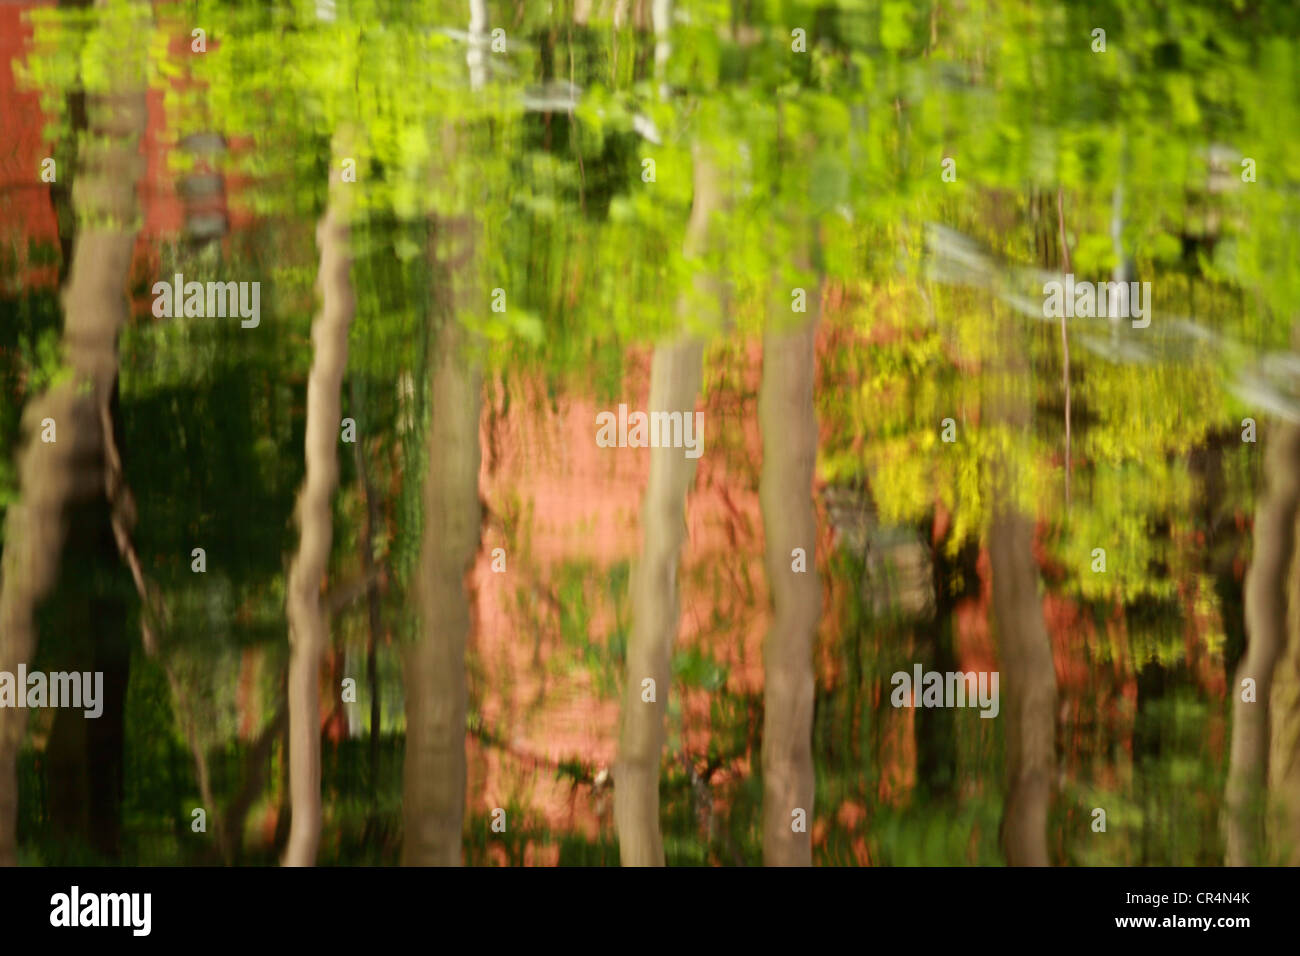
(351, 328)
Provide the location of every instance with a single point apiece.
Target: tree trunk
(674, 385)
(1028, 684)
(1284, 724)
(789, 426)
(956, 578)
(83, 758)
(1028, 688)
(1266, 620)
(436, 693)
(435, 770)
(50, 475)
(308, 625)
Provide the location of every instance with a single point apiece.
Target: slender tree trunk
(954, 579)
(436, 693)
(1028, 677)
(477, 56)
(675, 376)
(674, 384)
(435, 771)
(1284, 726)
(52, 474)
(789, 426)
(1028, 687)
(1266, 622)
(308, 624)
(82, 760)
